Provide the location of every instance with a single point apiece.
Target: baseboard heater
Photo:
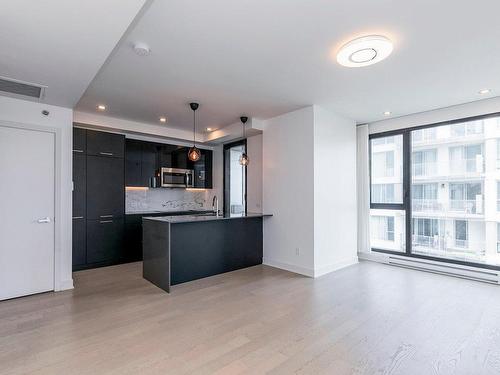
(483, 275)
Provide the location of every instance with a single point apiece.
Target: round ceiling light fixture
(364, 51)
(484, 91)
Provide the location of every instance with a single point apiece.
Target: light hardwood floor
(364, 319)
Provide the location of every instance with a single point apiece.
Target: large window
(431, 196)
(387, 170)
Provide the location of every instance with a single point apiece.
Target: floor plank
(365, 319)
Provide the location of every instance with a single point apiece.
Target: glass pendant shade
(244, 160)
(194, 153)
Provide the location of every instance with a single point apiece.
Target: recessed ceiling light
(101, 107)
(142, 49)
(484, 91)
(364, 51)
(163, 119)
(209, 129)
(387, 113)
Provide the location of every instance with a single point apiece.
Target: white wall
(309, 185)
(288, 191)
(335, 215)
(29, 113)
(254, 174)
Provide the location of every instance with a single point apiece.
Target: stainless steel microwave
(176, 178)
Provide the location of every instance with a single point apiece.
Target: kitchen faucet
(215, 205)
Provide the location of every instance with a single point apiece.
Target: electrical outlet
(297, 251)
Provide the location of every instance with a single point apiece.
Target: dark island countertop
(167, 212)
(204, 217)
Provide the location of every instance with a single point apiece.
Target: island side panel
(156, 253)
(212, 247)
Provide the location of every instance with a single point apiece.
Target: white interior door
(27, 168)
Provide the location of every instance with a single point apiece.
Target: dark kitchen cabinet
(105, 240)
(133, 160)
(203, 170)
(165, 156)
(79, 185)
(79, 242)
(98, 198)
(149, 162)
(105, 144)
(133, 238)
(179, 157)
(105, 187)
(79, 140)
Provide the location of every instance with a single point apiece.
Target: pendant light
(194, 152)
(244, 160)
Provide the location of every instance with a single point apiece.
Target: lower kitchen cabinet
(79, 242)
(105, 241)
(133, 238)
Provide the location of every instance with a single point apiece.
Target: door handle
(44, 220)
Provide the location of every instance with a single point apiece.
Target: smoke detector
(142, 49)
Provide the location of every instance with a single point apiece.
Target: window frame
(406, 205)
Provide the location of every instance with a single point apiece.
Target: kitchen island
(177, 249)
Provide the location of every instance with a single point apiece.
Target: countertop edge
(201, 219)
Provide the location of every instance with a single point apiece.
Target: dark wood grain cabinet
(105, 144)
(79, 185)
(98, 198)
(79, 242)
(203, 170)
(144, 159)
(105, 241)
(133, 160)
(79, 141)
(149, 162)
(105, 187)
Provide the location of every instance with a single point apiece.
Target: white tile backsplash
(165, 199)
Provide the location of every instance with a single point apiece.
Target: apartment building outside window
(438, 202)
(498, 238)
(424, 162)
(498, 196)
(466, 159)
(466, 197)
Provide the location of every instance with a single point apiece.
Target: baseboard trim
(309, 272)
(335, 266)
(289, 267)
(64, 285)
(443, 268)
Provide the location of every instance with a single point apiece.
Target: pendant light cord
(194, 128)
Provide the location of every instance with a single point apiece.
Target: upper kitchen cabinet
(141, 162)
(179, 158)
(105, 187)
(105, 144)
(165, 158)
(79, 140)
(203, 170)
(133, 161)
(149, 162)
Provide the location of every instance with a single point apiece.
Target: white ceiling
(255, 57)
(263, 58)
(61, 43)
